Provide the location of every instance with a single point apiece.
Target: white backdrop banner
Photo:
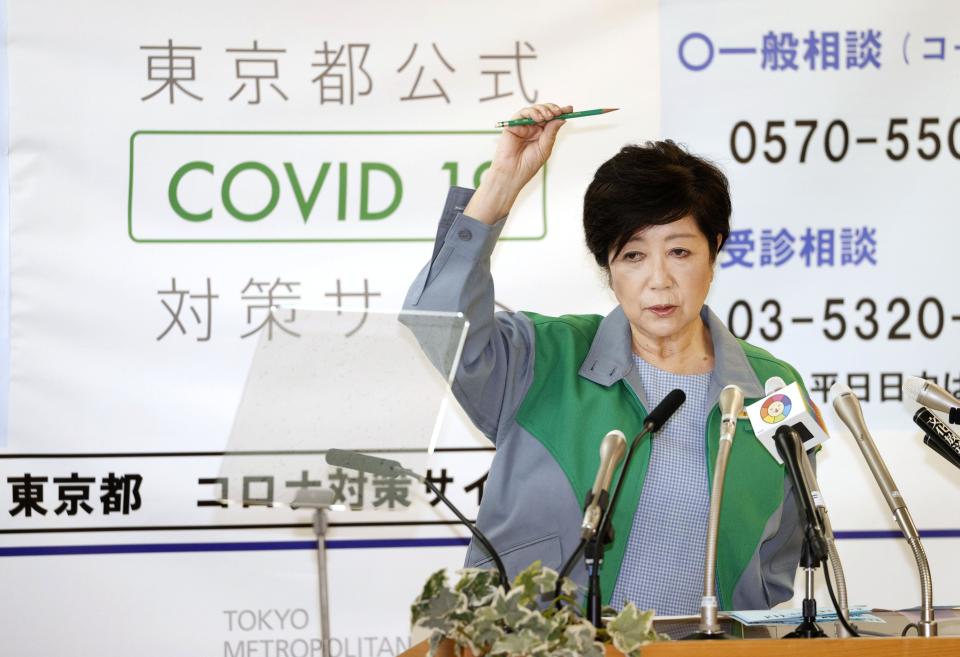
(178, 169)
(840, 144)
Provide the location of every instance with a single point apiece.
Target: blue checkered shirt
(662, 566)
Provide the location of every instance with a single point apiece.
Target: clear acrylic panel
(373, 382)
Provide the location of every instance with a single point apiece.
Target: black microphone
(345, 458)
(659, 415)
(790, 448)
(934, 444)
(938, 436)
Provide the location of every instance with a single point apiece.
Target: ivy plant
(477, 614)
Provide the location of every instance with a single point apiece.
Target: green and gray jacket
(546, 390)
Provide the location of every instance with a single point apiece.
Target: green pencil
(570, 115)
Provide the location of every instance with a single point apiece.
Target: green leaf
(569, 587)
(436, 583)
(511, 608)
(520, 643)
(436, 638)
(546, 581)
(478, 584)
(446, 603)
(536, 624)
(478, 614)
(526, 583)
(484, 632)
(581, 638)
(631, 629)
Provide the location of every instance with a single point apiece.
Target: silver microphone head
(612, 448)
(731, 404)
(847, 406)
(929, 394)
(913, 387)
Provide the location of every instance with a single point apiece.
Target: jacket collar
(610, 358)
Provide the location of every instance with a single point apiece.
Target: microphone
(352, 460)
(345, 458)
(730, 405)
(612, 448)
(932, 396)
(655, 419)
(791, 452)
(847, 407)
(938, 436)
(818, 543)
(659, 415)
(772, 385)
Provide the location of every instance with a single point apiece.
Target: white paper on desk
(793, 616)
(944, 613)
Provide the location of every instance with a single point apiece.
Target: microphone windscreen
(665, 409)
(912, 387)
(345, 458)
(839, 389)
(773, 384)
(730, 402)
(341, 458)
(613, 446)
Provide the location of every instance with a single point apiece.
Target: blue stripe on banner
(343, 544)
(892, 533)
(251, 546)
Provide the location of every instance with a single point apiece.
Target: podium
(943, 646)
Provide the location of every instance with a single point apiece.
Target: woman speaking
(546, 390)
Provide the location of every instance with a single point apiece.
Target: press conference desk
(863, 647)
(755, 643)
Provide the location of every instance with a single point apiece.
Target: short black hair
(654, 184)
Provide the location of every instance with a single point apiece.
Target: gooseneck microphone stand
(731, 403)
(594, 550)
(847, 406)
(604, 531)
